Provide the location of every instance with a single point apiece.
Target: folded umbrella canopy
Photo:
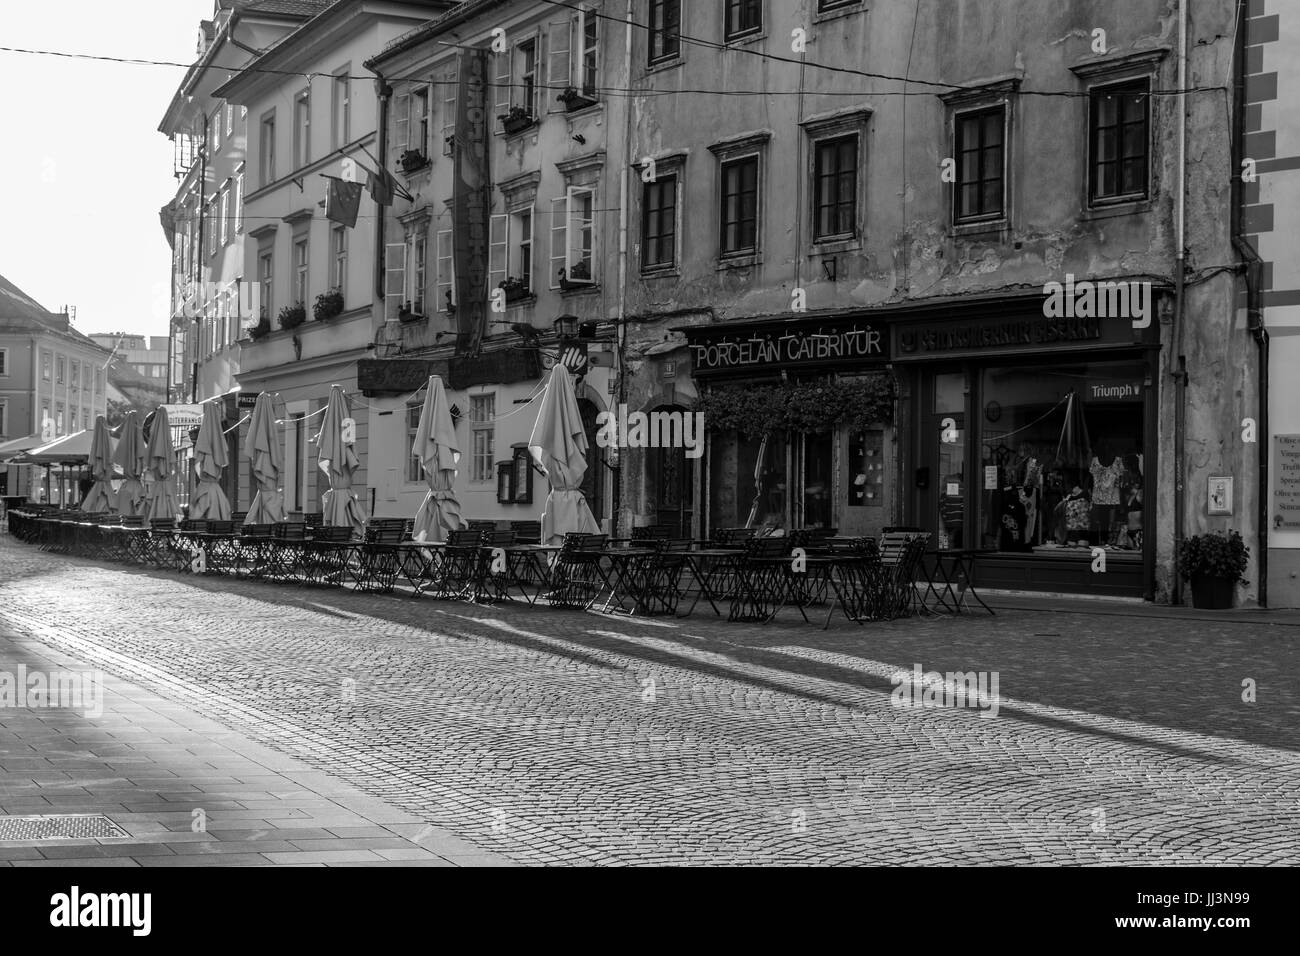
(339, 462)
(264, 450)
(210, 460)
(559, 445)
(159, 494)
(100, 497)
(435, 446)
(130, 457)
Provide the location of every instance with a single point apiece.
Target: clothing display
(1105, 481)
(1078, 513)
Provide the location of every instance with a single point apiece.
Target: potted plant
(412, 160)
(408, 314)
(515, 289)
(517, 120)
(261, 329)
(579, 277)
(328, 304)
(574, 100)
(292, 316)
(1214, 563)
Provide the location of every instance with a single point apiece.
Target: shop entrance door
(672, 488)
(941, 480)
(814, 463)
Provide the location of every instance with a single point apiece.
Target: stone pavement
(567, 738)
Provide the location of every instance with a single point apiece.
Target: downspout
(198, 264)
(621, 333)
(1180, 306)
(384, 91)
(1254, 298)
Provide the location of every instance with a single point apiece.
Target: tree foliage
(810, 406)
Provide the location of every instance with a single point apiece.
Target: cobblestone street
(540, 736)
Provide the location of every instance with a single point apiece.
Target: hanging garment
(1033, 473)
(1011, 536)
(1105, 481)
(1078, 513)
(1029, 501)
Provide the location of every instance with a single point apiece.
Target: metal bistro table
(714, 571)
(952, 577)
(530, 564)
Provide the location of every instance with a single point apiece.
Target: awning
(11, 448)
(71, 449)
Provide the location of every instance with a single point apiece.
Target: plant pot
(516, 124)
(577, 102)
(1211, 592)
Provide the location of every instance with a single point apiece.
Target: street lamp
(566, 327)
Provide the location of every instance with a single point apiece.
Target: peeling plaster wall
(908, 248)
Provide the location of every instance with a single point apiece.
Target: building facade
(144, 354)
(312, 114)
(52, 380)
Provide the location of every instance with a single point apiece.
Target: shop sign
(471, 201)
(401, 376)
(493, 368)
(790, 347)
(942, 338)
(1286, 483)
(1114, 391)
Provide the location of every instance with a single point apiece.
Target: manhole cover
(67, 826)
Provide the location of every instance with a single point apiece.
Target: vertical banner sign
(471, 203)
(1286, 483)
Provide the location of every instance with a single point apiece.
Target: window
(482, 411)
(395, 292)
(341, 111)
(45, 365)
(587, 63)
(573, 238)
(1118, 148)
(99, 381)
(744, 17)
(58, 418)
(266, 143)
(4, 416)
(61, 368)
(835, 188)
(4, 361)
(448, 112)
(76, 375)
(740, 206)
(515, 247)
(522, 483)
(45, 414)
(225, 215)
(519, 93)
(302, 129)
(211, 227)
(665, 30)
(266, 280)
(414, 469)
(659, 224)
(230, 120)
(446, 271)
(215, 125)
(300, 271)
(339, 258)
(979, 164)
(85, 418)
(420, 121)
(239, 200)
(419, 274)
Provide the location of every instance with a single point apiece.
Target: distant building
(145, 354)
(48, 371)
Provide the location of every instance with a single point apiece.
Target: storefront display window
(949, 430)
(749, 481)
(1061, 457)
(866, 477)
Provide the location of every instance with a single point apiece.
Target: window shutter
(501, 86)
(559, 257)
(498, 245)
(401, 124)
(394, 279)
(559, 62)
(446, 269)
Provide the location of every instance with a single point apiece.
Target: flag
(380, 185)
(342, 201)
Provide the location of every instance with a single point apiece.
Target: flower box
(517, 120)
(328, 304)
(292, 316)
(574, 100)
(412, 160)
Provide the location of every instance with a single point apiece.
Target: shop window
(748, 481)
(1118, 147)
(866, 477)
(1062, 458)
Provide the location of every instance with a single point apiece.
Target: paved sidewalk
(189, 791)
(552, 737)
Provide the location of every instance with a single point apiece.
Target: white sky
(83, 167)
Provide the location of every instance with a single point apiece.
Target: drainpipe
(198, 255)
(1180, 306)
(620, 347)
(1254, 298)
(384, 92)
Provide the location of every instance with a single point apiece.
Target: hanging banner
(471, 202)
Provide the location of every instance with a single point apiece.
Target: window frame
(4, 363)
(302, 128)
(978, 112)
(60, 370)
(725, 164)
(671, 264)
(1095, 92)
(301, 269)
(266, 148)
(742, 31)
(339, 259)
(482, 463)
(266, 280)
(239, 199)
(661, 34)
(341, 107)
(821, 142)
(224, 206)
(445, 275)
(414, 467)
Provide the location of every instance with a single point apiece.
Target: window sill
(733, 42)
(830, 247)
(579, 290)
(740, 262)
(522, 300)
(1135, 207)
(585, 111)
(662, 272)
(835, 13)
(992, 230)
(668, 63)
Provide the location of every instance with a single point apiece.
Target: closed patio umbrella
(264, 450)
(339, 462)
(435, 446)
(159, 492)
(130, 457)
(100, 497)
(210, 461)
(559, 445)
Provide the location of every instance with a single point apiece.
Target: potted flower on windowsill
(1214, 563)
(408, 314)
(515, 289)
(517, 120)
(579, 277)
(328, 304)
(261, 329)
(574, 100)
(412, 160)
(292, 316)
